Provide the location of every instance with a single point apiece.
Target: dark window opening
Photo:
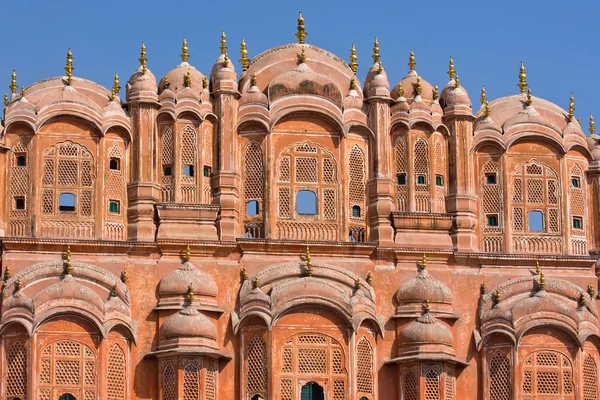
(421, 179)
(401, 179)
(356, 211)
(21, 160)
(114, 207)
(67, 396)
(19, 203)
(312, 391)
(492, 220)
(306, 202)
(577, 223)
(115, 163)
(188, 170)
(252, 208)
(257, 397)
(575, 182)
(206, 171)
(490, 179)
(439, 180)
(535, 221)
(66, 202)
(167, 170)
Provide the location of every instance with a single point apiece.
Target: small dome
(424, 287)
(176, 79)
(141, 85)
(449, 86)
(380, 80)
(456, 96)
(166, 95)
(177, 282)
(113, 108)
(66, 289)
(188, 323)
(253, 96)
(16, 301)
(409, 86)
(373, 71)
(220, 72)
(425, 330)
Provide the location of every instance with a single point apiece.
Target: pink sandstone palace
(288, 232)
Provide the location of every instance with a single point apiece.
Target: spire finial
(124, 276)
(190, 295)
(497, 296)
(301, 33)
(529, 97)
(369, 278)
(13, 82)
(6, 276)
(483, 97)
(582, 300)
(255, 282)
(436, 92)
(542, 280)
(244, 273)
(483, 288)
(418, 88)
(380, 68)
(411, 60)
(184, 50)
(244, 54)
(226, 61)
(537, 267)
(204, 82)
(353, 58)
(187, 79)
(375, 51)
(302, 57)
(188, 254)
(69, 67)
(308, 263)
(353, 85)
(166, 82)
(522, 78)
(487, 110)
(591, 291)
(400, 89)
(116, 88)
(571, 115)
(143, 59)
(456, 80)
(22, 91)
(426, 306)
(113, 290)
(18, 285)
(223, 46)
(253, 80)
(68, 267)
(5, 100)
(357, 285)
(424, 261)
(592, 125)
(579, 120)
(451, 71)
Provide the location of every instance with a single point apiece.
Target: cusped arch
(299, 110)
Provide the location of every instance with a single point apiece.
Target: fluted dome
(425, 330)
(455, 96)
(68, 288)
(141, 85)
(253, 96)
(177, 282)
(423, 287)
(188, 323)
(409, 85)
(176, 78)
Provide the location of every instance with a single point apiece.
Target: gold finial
(308, 263)
(451, 71)
(243, 273)
(411, 60)
(353, 85)
(166, 82)
(244, 54)
(68, 267)
(204, 82)
(184, 50)
(529, 97)
(591, 291)
(5, 100)
(436, 93)
(69, 67)
(302, 57)
(13, 82)
(542, 280)
(582, 300)
(537, 267)
(357, 285)
(418, 88)
(483, 288)
(143, 59)
(187, 79)
(22, 91)
(353, 58)
(400, 89)
(6, 276)
(579, 120)
(17, 285)
(124, 276)
(223, 46)
(483, 98)
(369, 278)
(255, 282)
(486, 110)
(522, 78)
(301, 33)
(116, 87)
(380, 68)
(456, 80)
(190, 295)
(375, 51)
(424, 261)
(188, 254)
(592, 125)
(253, 80)
(226, 61)
(426, 306)
(571, 108)
(497, 296)
(113, 290)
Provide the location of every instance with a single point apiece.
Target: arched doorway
(312, 391)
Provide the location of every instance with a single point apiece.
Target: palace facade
(288, 232)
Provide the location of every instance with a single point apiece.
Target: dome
(379, 85)
(177, 282)
(409, 86)
(373, 71)
(425, 330)
(253, 96)
(141, 85)
(188, 323)
(449, 86)
(456, 95)
(68, 289)
(176, 78)
(424, 287)
(16, 301)
(166, 95)
(220, 72)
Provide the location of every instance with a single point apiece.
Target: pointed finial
(69, 67)
(187, 79)
(571, 108)
(357, 285)
(418, 88)
(483, 288)
(226, 61)
(116, 88)
(302, 57)
(68, 267)
(375, 51)
(243, 273)
(124, 276)
(497, 296)
(253, 80)
(436, 92)
(223, 46)
(591, 291)
(369, 278)
(380, 68)
(592, 125)
(579, 120)
(400, 89)
(190, 295)
(166, 82)
(537, 267)
(301, 33)
(22, 91)
(451, 71)
(522, 78)
(424, 261)
(17, 285)
(188, 254)
(582, 300)
(113, 290)
(353, 85)
(483, 97)
(308, 263)
(204, 82)
(529, 97)
(456, 80)
(6, 276)
(542, 281)
(13, 82)
(5, 100)
(184, 50)
(143, 59)
(255, 282)
(353, 58)
(244, 54)
(411, 60)
(486, 110)
(426, 307)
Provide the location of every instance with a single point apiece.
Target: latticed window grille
(191, 381)
(116, 193)
(590, 378)
(499, 376)
(16, 371)
(577, 201)
(364, 366)
(313, 356)
(432, 374)
(211, 383)
(440, 176)
(207, 162)
(254, 185)
(491, 206)
(548, 373)
(169, 382)
(188, 165)
(410, 384)
(357, 186)
(167, 151)
(421, 178)
(67, 364)
(116, 374)
(256, 366)
(19, 187)
(401, 174)
(450, 388)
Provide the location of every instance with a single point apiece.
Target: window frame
(74, 210)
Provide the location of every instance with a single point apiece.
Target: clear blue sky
(559, 41)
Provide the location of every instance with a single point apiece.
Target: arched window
(114, 226)
(191, 381)
(16, 373)
(167, 165)
(548, 373)
(410, 385)
(491, 206)
(364, 367)
(189, 158)
(421, 179)
(499, 372)
(21, 160)
(312, 391)
(19, 188)
(401, 171)
(116, 373)
(256, 367)
(169, 382)
(356, 211)
(306, 202)
(252, 208)
(253, 189)
(66, 202)
(590, 378)
(535, 221)
(115, 163)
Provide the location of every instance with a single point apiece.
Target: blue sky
(558, 40)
